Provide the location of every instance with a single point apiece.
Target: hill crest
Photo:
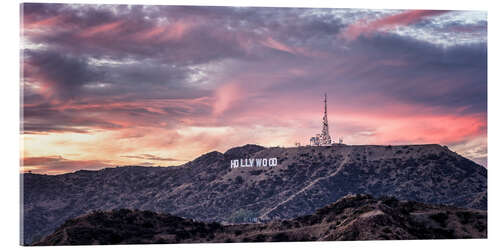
(353, 217)
(306, 178)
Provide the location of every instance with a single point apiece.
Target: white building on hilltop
(324, 138)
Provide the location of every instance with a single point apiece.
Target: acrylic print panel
(179, 124)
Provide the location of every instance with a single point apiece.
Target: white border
(9, 220)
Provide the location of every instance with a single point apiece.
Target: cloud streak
(389, 22)
(151, 157)
(58, 164)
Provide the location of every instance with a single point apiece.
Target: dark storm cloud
(47, 118)
(88, 47)
(63, 74)
(378, 70)
(118, 113)
(212, 77)
(158, 69)
(76, 77)
(78, 33)
(424, 73)
(211, 33)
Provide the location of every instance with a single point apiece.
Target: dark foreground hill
(306, 179)
(358, 217)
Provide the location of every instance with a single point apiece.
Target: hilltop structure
(324, 138)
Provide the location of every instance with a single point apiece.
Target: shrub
(238, 180)
(440, 218)
(465, 217)
(280, 237)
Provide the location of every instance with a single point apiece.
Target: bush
(238, 180)
(280, 237)
(465, 217)
(440, 218)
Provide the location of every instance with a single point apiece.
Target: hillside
(359, 217)
(306, 178)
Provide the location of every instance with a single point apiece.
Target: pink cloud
(174, 31)
(290, 120)
(225, 96)
(388, 22)
(30, 23)
(271, 43)
(99, 29)
(412, 129)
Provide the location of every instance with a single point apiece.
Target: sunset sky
(110, 85)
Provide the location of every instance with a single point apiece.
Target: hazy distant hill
(359, 217)
(306, 178)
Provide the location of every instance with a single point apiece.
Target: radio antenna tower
(325, 138)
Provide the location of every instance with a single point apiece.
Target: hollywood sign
(254, 162)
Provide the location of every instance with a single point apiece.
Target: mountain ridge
(352, 217)
(305, 179)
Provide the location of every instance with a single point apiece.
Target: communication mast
(324, 138)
